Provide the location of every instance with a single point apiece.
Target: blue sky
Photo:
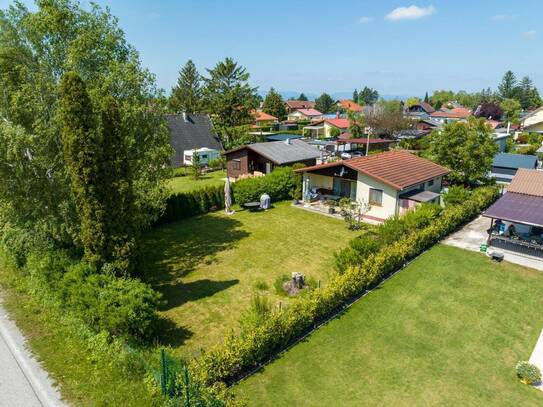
(397, 47)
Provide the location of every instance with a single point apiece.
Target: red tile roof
(456, 113)
(309, 112)
(300, 104)
(350, 105)
(398, 169)
(263, 116)
(340, 123)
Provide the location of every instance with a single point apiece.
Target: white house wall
(390, 195)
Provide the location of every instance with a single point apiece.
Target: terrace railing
(517, 245)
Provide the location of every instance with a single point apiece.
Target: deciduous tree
(466, 148)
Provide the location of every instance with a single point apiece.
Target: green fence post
(163, 371)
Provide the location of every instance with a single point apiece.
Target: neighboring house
(428, 124)
(500, 137)
(305, 114)
(391, 182)
(282, 137)
(324, 128)
(189, 132)
(506, 165)
(349, 105)
(204, 154)
(517, 217)
(451, 115)
(422, 110)
(293, 105)
(533, 121)
(264, 119)
(262, 158)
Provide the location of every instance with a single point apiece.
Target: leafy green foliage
(367, 96)
(240, 353)
(195, 168)
(258, 311)
(274, 105)
(36, 49)
(186, 95)
(528, 373)
(511, 110)
(467, 149)
(456, 195)
(279, 185)
(387, 118)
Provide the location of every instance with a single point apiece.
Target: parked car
(345, 156)
(357, 154)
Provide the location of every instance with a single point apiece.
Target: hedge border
(230, 361)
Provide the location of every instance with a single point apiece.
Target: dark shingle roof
(507, 160)
(193, 133)
(527, 209)
(281, 152)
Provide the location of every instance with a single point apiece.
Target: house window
(376, 197)
(188, 158)
(236, 164)
(431, 183)
(203, 156)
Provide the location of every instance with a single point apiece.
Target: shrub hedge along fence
(280, 184)
(240, 353)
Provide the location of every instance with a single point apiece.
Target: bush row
(279, 185)
(393, 229)
(238, 354)
(106, 303)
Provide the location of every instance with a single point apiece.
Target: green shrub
(261, 285)
(279, 185)
(218, 163)
(257, 312)
(237, 354)
(528, 373)
(456, 194)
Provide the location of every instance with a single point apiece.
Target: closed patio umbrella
(227, 196)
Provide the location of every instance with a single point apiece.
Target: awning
(420, 196)
(518, 208)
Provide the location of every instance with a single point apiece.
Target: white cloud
(410, 13)
(502, 17)
(365, 19)
(529, 34)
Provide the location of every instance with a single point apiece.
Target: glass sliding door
(345, 188)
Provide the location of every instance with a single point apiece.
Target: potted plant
(331, 207)
(528, 373)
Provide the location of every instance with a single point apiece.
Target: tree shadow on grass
(171, 334)
(178, 293)
(173, 251)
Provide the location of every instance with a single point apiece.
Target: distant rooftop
(507, 160)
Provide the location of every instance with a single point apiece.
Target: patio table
(252, 206)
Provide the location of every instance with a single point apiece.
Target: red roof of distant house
(493, 123)
(340, 123)
(309, 112)
(300, 104)
(350, 105)
(456, 113)
(263, 116)
(399, 169)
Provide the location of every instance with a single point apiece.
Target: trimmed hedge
(187, 204)
(279, 185)
(238, 354)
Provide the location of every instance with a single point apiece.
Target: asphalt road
(23, 382)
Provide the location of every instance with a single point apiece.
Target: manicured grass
(447, 330)
(187, 183)
(209, 267)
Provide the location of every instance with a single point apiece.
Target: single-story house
(391, 182)
(305, 114)
(324, 127)
(293, 105)
(204, 154)
(264, 119)
(517, 217)
(451, 115)
(506, 165)
(422, 110)
(190, 132)
(533, 121)
(262, 158)
(349, 105)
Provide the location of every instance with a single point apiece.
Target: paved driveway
(22, 380)
(474, 233)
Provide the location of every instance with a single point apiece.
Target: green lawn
(207, 267)
(187, 183)
(448, 330)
